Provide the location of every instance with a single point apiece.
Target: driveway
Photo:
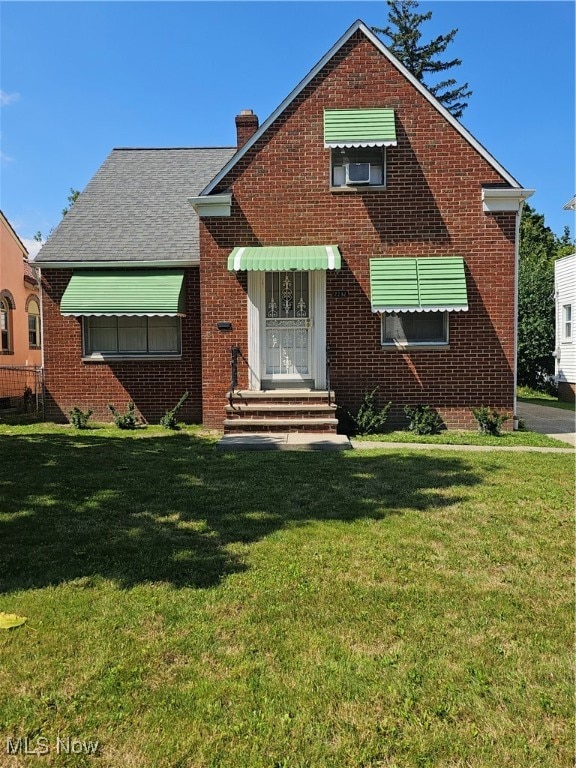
(553, 422)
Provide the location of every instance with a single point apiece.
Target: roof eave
(504, 200)
(169, 263)
(215, 205)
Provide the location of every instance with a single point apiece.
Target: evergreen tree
(72, 197)
(420, 59)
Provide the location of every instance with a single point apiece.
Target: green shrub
(423, 420)
(79, 418)
(127, 420)
(370, 418)
(489, 420)
(168, 421)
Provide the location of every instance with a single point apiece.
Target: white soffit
(502, 200)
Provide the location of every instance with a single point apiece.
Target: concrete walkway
(310, 441)
(366, 445)
(554, 422)
(281, 441)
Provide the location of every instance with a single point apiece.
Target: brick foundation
(566, 392)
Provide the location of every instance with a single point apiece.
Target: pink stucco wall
(17, 284)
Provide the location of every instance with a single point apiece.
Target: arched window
(34, 338)
(5, 326)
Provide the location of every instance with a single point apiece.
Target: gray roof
(136, 209)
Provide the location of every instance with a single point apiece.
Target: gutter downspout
(516, 271)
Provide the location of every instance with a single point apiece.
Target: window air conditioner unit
(357, 173)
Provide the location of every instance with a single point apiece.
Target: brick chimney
(246, 125)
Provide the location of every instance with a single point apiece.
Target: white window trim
(415, 345)
(37, 327)
(567, 339)
(360, 187)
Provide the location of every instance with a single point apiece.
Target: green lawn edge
(457, 437)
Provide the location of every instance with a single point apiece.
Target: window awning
(432, 284)
(125, 292)
(279, 257)
(359, 128)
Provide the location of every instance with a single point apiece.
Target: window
(5, 329)
(567, 322)
(33, 324)
(414, 328)
(358, 167)
(132, 336)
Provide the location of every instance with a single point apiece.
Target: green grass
(529, 395)
(456, 437)
(190, 608)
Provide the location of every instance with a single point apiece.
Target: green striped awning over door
(432, 284)
(125, 292)
(359, 128)
(276, 258)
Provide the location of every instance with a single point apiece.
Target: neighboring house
(360, 237)
(20, 322)
(565, 354)
(565, 307)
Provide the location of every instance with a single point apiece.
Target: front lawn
(191, 608)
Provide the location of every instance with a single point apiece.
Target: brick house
(360, 237)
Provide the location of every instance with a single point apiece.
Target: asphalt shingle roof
(135, 208)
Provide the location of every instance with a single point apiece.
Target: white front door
(287, 325)
(287, 328)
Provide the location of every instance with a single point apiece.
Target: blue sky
(79, 78)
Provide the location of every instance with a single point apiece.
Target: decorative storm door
(287, 326)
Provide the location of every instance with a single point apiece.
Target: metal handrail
(328, 381)
(234, 354)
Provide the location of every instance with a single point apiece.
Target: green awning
(432, 284)
(279, 257)
(125, 292)
(359, 128)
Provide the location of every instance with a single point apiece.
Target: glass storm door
(287, 323)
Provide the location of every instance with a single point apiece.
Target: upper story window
(567, 322)
(357, 139)
(33, 324)
(358, 167)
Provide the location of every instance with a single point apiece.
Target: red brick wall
(431, 207)
(154, 386)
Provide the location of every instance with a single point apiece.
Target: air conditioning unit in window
(357, 173)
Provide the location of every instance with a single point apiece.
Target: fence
(22, 388)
